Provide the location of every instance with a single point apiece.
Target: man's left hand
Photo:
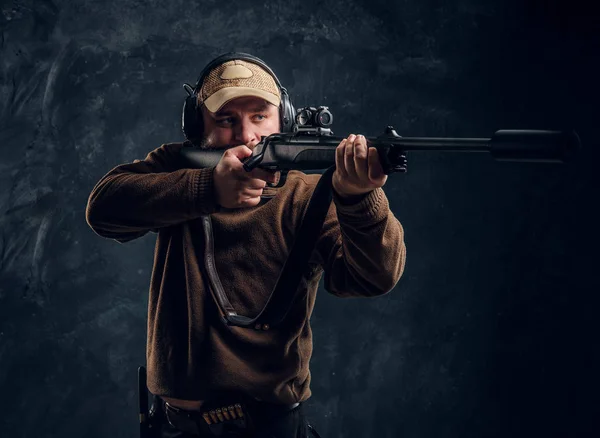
(358, 169)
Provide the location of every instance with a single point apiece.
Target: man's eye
(261, 116)
(225, 121)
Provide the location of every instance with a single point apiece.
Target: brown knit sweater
(190, 351)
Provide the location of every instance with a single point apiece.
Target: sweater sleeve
(361, 247)
(149, 194)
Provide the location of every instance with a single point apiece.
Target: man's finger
(339, 158)
(252, 183)
(361, 162)
(250, 202)
(262, 174)
(240, 152)
(349, 157)
(251, 193)
(376, 172)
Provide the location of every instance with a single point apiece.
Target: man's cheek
(213, 141)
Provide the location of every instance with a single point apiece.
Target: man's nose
(247, 134)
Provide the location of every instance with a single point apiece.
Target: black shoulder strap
(284, 293)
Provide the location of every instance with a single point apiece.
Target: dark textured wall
(492, 330)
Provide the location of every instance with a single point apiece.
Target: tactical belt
(219, 418)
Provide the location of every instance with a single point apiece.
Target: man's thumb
(241, 151)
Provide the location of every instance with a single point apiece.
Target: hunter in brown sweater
(191, 352)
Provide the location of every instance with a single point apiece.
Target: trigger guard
(281, 181)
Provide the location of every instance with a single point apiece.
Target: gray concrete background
(492, 330)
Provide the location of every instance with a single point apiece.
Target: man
(210, 377)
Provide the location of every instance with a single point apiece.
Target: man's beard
(207, 143)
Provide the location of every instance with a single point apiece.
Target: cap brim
(215, 102)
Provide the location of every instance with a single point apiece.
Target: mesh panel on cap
(260, 80)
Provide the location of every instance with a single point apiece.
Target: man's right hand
(236, 188)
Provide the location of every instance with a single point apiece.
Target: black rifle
(311, 147)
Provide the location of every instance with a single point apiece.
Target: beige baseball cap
(237, 78)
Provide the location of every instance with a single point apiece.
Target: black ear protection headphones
(191, 118)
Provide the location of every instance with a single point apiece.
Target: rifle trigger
(282, 178)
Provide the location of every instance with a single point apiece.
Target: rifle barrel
(443, 144)
(318, 152)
